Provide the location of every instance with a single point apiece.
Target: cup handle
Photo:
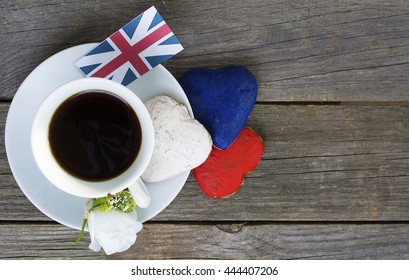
(140, 194)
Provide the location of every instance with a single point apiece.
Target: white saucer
(53, 72)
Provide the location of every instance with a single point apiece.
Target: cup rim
(51, 169)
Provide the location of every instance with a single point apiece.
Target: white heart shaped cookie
(181, 142)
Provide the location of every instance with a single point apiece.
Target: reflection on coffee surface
(95, 135)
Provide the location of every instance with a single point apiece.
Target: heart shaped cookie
(223, 172)
(221, 100)
(181, 142)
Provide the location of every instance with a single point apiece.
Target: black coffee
(95, 135)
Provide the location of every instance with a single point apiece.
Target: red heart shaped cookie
(223, 172)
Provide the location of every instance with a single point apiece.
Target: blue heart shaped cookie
(221, 100)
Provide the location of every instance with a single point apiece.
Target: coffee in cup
(93, 136)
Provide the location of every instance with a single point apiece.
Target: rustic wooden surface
(332, 109)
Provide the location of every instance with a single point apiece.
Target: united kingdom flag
(133, 50)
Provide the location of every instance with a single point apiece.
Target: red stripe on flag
(131, 53)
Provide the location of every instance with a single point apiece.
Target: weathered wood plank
(204, 241)
(321, 163)
(298, 50)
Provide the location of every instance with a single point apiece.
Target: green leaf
(102, 204)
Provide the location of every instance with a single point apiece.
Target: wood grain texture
(321, 163)
(298, 50)
(217, 241)
(333, 182)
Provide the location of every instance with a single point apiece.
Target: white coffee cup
(52, 170)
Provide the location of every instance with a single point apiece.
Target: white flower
(115, 231)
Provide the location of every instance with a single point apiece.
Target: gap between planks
(6, 101)
(335, 103)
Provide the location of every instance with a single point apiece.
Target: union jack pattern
(133, 50)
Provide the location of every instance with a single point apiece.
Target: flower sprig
(121, 201)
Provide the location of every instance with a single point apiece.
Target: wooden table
(332, 109)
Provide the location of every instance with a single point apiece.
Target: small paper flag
(133, 50)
